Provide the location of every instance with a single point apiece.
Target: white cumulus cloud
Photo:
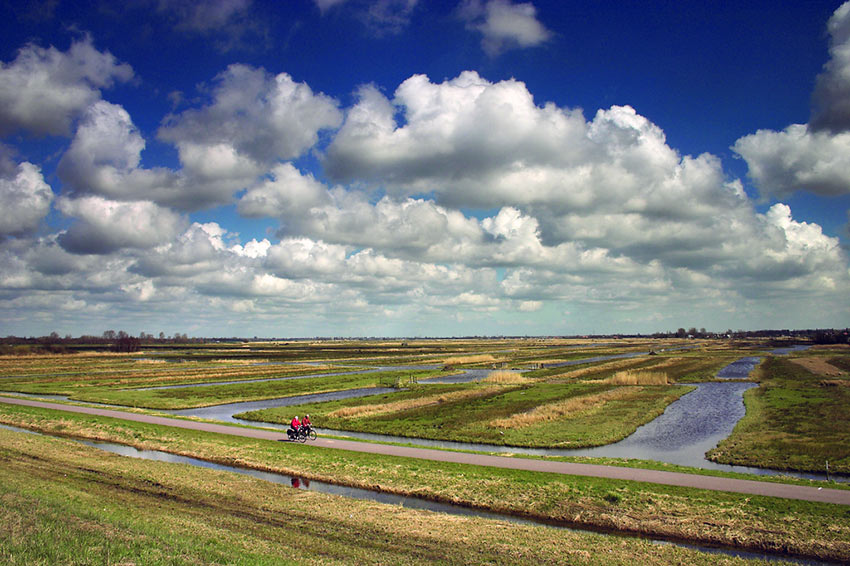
(25, 200)
(44, 90)
(812, 157)
(504, 25)
(103, 226)
(260, 117)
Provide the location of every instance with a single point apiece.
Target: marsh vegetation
(547, 393)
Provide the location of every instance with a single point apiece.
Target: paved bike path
(750, 487)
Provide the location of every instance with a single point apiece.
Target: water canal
(690, 427)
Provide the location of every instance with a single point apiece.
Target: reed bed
(505, 377)
(409, 404)
(562, 409)
(474, 359)
(629, 377)
(609, 366)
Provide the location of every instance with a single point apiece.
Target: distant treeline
(121, 341)
(817, 336)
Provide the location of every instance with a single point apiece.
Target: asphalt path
(749, 487)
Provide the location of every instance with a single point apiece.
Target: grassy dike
(155, 512)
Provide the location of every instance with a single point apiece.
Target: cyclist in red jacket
(292, 431)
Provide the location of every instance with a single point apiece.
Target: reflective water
(690, 427)
(739, 369)
(682, 435)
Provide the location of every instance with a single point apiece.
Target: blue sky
(411, 168)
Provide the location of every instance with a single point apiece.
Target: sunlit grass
(409, 404)
(638, 378)
(560, 410)
(505, 377)
(78, 497)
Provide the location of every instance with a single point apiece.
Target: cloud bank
(444, 206)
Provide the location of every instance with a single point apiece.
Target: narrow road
(750, 487)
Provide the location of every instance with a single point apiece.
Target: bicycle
(304, 434)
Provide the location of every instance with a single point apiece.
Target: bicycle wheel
(312, 434)
(302, 437)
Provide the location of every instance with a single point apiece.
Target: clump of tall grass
(561, 409)
(474, 359)
(597, 368)
(409, 404)
(505, 377)
(630, 377)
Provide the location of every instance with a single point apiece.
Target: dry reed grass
(561, 409)
(610, 366)
(818, 366)
(409, 404)
(629, 377)
(617, 365)
(505, 377)
(474, 359)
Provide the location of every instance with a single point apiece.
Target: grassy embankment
(579, 407)
(66, 503)
(796, 420)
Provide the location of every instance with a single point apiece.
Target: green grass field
(32, 466)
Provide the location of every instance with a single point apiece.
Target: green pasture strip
(795, 420)
(469, 420)
(65, 503)
(752, 522)
(72, 385)
(190, 397)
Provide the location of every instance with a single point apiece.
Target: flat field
(542, 393)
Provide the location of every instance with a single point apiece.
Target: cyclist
(292, 431)
(305, 422)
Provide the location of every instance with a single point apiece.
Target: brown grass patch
(609, 366)
(629, 377)
(562, 409)
(505, 377)
(408, 404)
(818, 366)
(475, 359)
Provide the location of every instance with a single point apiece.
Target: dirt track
(750, 487)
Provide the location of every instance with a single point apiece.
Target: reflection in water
(690, 427)
(739, 369)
